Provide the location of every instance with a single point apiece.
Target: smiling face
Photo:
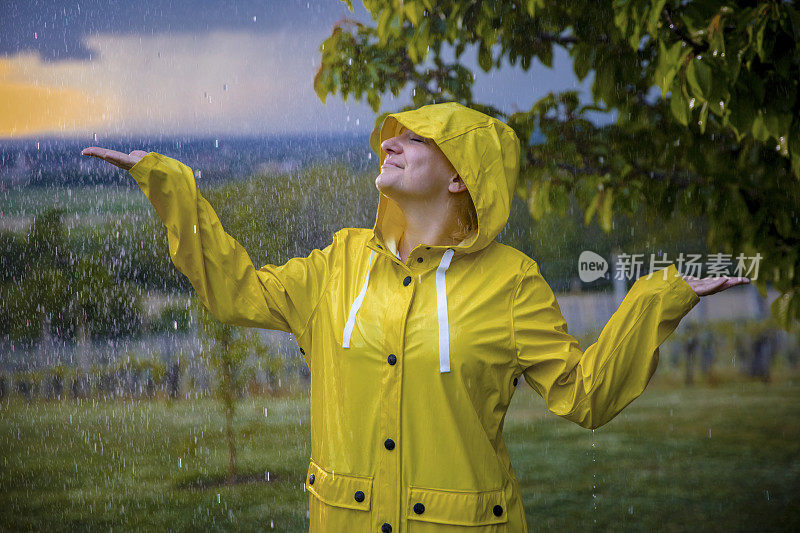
(415, 169)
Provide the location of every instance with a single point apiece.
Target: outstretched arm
(590, 387)
(220, 270)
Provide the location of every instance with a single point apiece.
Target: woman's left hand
(707, 286)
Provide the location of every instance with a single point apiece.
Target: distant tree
(12, 257)
(54, 289)
(701, 99)
(226, 350)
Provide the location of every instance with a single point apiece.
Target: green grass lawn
(725, 458)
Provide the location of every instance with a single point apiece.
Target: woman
(417, 331)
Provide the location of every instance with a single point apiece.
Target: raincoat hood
(484, 152)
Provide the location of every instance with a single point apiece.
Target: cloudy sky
(184, 67)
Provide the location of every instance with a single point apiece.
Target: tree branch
(681, 180)
(680, 30)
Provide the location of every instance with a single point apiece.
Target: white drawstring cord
(351, 320)
(441, 305)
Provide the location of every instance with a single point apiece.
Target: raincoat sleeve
(591, 387)
(219, 268)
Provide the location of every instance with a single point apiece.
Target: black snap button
(392, 358)
(498, 510)
(381, 247)
(311, 479)
(359, 496)
(516, 381)
(419, 260)
(386, 528)
(427, 247)
(407, 281)
(389, 444)
(419, 508)
(302, 351)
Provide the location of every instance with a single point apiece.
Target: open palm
(708, 286)
(118, 159)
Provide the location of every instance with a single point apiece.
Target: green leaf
(741, 113)
(679, 106)
(413, 11)
(794, 146)
(532, 5)
(777, 123)
(759, 128)
(654, 16)
(592, 209)
(606, 212)
(786, 308)
(703, 120)
(582, 60)
(698, 74)
(384, 23)
(668, 65)
(484, 58)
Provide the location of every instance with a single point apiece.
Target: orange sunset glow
(31, 107)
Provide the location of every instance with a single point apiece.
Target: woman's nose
(391, 145)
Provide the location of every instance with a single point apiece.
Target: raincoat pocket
(457, 508)
(338, 501)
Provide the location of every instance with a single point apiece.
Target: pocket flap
(466, 508)
(340, 490)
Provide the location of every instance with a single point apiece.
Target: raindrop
(691, 103)
(216, 143)
(218, 498)
(254, 18)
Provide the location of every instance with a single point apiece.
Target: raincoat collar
(485, 153)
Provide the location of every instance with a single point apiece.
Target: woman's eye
(418, 140)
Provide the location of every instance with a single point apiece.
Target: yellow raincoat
(413, 365)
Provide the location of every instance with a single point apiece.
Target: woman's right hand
(118, 159)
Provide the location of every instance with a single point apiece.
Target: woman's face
(414, 169)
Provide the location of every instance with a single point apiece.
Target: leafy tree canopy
(702, 100)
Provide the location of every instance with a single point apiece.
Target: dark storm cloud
(55, 29)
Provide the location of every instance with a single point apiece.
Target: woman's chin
(383, 185)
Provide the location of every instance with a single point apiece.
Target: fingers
(708, 286)
(118, 159)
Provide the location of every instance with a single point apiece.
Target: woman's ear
(456, 184)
